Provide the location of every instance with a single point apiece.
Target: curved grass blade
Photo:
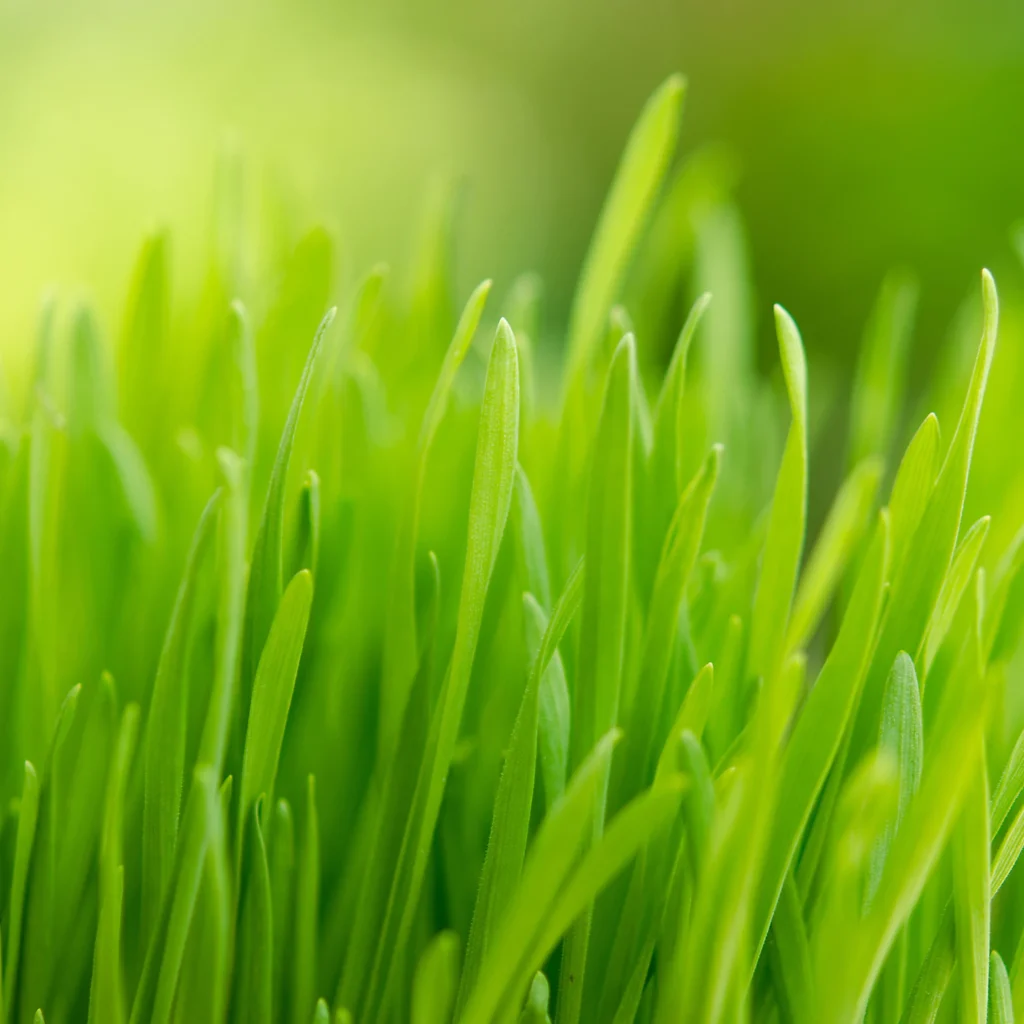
(537, 1001)
(915, 478)
(490, 499)
(529, 538)
(1010, 785)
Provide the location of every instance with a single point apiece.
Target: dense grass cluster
(400, 685)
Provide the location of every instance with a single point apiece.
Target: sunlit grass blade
(549, 862)
(603, 618)
(253, 997)
(510, 824)
(1000, 998)
(490, 498)
(961, 571)
(917, 581)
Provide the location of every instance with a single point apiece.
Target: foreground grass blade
(491, 496)
(603, 618)
(165, 742)
(272, 694)
(785, 540)
(400, 647)
(267, 571)
(510, 825)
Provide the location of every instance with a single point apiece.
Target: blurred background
(865, 135)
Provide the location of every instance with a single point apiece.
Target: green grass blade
(679, 554)
(267, 563)
(625, 212)
(961, 572)
(917, 582)
(1000, 999)
(785, 540)
(819, 730)
(272, 691)
(529, 540)
(165, 743)
(400, 643)
(791, 955)
(537, 1001)
(510, 824)
(490, 498)
(549, 862)
(28, 813)
(880, 378)
(840, 535)
(307, 912)
(915, 478)
(972, 894)
(106, 997)
(1010, 785)
(230, 611)
(603, 622)
(436, 980)
(281, 860)
(253, 997)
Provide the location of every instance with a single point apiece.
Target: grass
(414, 684)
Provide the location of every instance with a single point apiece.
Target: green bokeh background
(867, 134)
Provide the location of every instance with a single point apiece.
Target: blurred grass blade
(28, 813)
(624, 214)
(841, 533)
(307, 911)
(436, 980)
